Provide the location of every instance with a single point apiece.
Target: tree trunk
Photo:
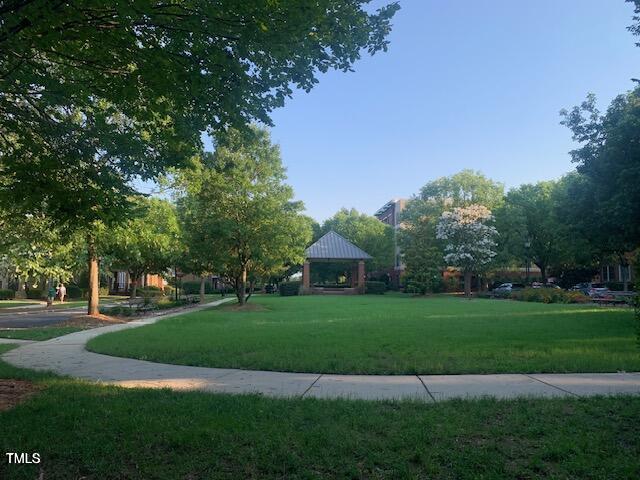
(134, 287)
(242, 287)
(20, 292)
(543, 271)
(202, 282)
(44, 290)
(251, 285)
(94, 285)
(467, 284)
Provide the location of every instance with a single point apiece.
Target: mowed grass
(38, 333)
(84, 430)
(15, 303)
(389, 335)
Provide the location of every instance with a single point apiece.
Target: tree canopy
(469, 239)
(608, 158)
(238, 201)
(146, 243)
(367, 232)
(95, 94)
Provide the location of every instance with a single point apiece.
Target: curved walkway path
(66, 355)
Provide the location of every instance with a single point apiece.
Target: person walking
(62, 292)
(51, 295)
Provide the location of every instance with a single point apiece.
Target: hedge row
(7, 294)
(376, 288)
(288, 289)
(549, 295)
(193, 288)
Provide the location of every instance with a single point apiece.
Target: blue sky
(465, 84)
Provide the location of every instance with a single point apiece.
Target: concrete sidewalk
(67, 356)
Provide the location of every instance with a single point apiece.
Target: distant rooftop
(332, 246)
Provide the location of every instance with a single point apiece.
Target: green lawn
(16, 303)
(390, 334)
(84, 430)
(38, 333)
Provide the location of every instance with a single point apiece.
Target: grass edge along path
(84, 430)
(37, 333)
(389, 335)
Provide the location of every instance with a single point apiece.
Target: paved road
(67, 355)
(40, 318)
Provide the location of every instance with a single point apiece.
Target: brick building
(389, 213)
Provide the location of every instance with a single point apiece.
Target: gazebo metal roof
(332, 246)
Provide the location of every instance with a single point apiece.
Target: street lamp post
(527, 246)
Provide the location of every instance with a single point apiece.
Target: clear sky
(465, 84)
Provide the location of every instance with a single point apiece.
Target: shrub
(376, 288)
(74, 291)
(549, 295)
(165, 304)
(35, 294)
(119, 310)
(289, 289)
(193, 288)
(7, 294)
(577, 297)
(148, 292)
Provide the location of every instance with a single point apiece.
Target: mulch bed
(13, 392)
(90, 321)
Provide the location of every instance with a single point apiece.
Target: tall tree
(32, 247)
(422, 252)
(239, 197)
(462, 189)
(84, 110)
(146, 243)
(469, 239)
(609, 157)
(533, 231)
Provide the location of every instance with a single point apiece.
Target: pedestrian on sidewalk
(51, 295)
(62, 292)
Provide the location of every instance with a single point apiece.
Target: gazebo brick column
(306, 276)
(361, 276)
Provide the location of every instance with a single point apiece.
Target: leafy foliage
(549, 295)
(289, 289)
(84, 108)
(365, 231)
(469, 240)
(608, 160)
(377, 288)
(422, 252)
(238, 197)
(147, 243)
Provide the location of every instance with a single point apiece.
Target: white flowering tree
(469, 239)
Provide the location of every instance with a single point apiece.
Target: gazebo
(332, 247)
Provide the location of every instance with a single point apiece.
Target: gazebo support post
(361, 276)
(306, 277)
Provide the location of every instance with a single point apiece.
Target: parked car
(508, 288)
(591, 289)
